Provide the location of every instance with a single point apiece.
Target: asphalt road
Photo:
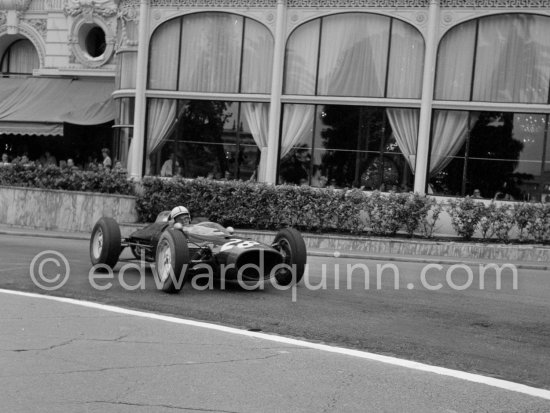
(501, 333)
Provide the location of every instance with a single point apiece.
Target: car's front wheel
(105, 245)
(172, 258)
(292, 247)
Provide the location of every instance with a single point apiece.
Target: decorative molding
(40, 25)
(214, 3)
(380, 4)
(89, 8)
(505, 4)
(19, 5)
(33, 36)
(77, 54)
(3, 18)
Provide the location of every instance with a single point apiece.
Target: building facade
(443, 97)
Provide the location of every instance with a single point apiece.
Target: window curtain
(23, 57)
(450, 129)
(257, 58)
(406, 61)
(301, 59)
(162, 115)
(211, 53)
(257, 117)
(455, 61)
(297, 127)
(513, 59)
(404, 124)
(163, 57)
(353, 55)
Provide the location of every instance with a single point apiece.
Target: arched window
(502, 58)
(211, 52)
(358, 143)
(20, 58)
(355, 55)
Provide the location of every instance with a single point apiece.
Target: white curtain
(257, 117)
(162, 115)
(23, 57)
(211, 52)
(455, 62)
(297, 127)
(353, 55)
(513, 57)
(406, 61)
(404, 124)
(301, 59)
(163, 69)
(257, 58)
(450, 129)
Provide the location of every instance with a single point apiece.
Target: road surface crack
(167, 406)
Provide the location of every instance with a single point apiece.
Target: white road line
(475, 378)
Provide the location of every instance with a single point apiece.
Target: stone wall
(62, 210)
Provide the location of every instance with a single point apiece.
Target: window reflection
(210, 139)
(501, 155)
(347, 146)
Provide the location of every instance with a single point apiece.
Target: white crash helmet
(179, 210)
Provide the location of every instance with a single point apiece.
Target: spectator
(170, 167)
(5, 160)
(25, 161)
(118, 167)
(100, 167)
(71, 165)
(47, 159)
(63, 164)
(106, 153)
(477, 194)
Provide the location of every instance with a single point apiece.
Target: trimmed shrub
(53, 177)
(465, 216)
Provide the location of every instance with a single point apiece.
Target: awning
(40, 106)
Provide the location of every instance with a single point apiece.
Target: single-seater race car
(181, 252)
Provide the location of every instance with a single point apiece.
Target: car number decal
(238, 243)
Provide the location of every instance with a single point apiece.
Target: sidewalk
(348, 247)
(64, 355)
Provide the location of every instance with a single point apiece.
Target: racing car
(181, 252)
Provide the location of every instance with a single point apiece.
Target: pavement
(317, 252)
(64, 355)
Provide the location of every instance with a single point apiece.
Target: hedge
(53, 177)
(264, 206)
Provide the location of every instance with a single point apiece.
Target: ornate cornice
(504, 4)
(213, 3)
(380, 4)
(19, 5)
(89, 8)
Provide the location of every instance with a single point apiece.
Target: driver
(180, 215)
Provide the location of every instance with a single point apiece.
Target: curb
(313, 253)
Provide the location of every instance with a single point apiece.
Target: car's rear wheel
(171, 260)
(105, 243)
(292, 247)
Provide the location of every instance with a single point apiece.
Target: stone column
(423, 147)
(135, 169)
(276, 90)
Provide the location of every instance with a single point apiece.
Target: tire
(293, 248)
(171, 256)
(105, 246)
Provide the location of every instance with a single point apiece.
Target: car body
(180, 252)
